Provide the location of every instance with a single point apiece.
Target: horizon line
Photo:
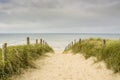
(53, 33)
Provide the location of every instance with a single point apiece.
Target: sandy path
(68, 67)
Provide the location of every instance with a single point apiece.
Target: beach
(59, 39)
(60, 66)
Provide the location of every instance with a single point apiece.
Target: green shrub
(110, 53)
(21, 57)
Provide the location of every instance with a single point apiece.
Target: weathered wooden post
(66, 48)
(68, 45)
(46, 43)
(80, 41)
(28, 41)
(40, 41)
(4, 48)
(103, 43)
(75, 41)
(36, 41)
(72, 43)
(43, 42)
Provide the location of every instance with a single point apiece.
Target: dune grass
(110, 53)
(21, 57)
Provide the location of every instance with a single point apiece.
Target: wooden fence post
(72, 43)
(40, 41)
(46, 43)
(103, 42)
(75, 41)
(36, 41)
(79, 40)
(28, 40)
(4, 48)
(68, 45)
(66, 48)
(43, 42)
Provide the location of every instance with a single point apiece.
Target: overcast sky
(61, 16)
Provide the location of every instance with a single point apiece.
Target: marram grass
(110, 53)
(20, 57)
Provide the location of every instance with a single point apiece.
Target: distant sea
(57, 40)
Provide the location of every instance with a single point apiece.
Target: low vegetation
(108, 52)
(20, 57)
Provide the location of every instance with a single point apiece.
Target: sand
(60, 66)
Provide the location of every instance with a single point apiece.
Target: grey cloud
(78, 15)
(61, 3)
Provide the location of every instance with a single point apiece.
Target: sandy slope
(68, 67)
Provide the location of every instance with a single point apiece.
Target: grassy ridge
(21, 57)
(110, 53)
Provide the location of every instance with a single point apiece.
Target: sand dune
(68, 67)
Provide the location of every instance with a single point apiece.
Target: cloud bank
(80, 16)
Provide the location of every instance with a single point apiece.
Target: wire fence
(28, 41)
(21, 42)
